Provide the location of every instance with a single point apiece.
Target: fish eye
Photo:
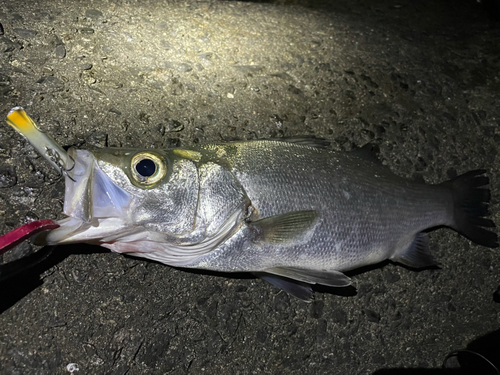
(148, 168)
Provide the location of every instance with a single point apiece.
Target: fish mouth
(96, 207)
(94, 204)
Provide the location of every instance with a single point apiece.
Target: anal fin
(417, 255)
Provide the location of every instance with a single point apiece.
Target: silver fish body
(293, 213)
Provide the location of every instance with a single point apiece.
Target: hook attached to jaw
(44, 144)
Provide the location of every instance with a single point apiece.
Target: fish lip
(98, 231)
(68, 227)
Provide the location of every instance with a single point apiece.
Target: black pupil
(146, 167)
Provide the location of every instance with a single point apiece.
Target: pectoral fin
(284, 228)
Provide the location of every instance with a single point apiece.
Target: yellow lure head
(44, 144)
(19, 120)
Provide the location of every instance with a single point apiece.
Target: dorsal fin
(305, 140)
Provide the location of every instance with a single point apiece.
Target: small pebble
(93, 13)
(184, 68)
(25, 33)
(205, 56)
(7, 45)
(86, 30)
(61, 51)
(72, 367)
(391, 277)
(176, 126)
(317, 309)
(8, 177)
(372, 316)
(86, 66)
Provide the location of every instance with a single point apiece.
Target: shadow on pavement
(482, 356)
(22, 276)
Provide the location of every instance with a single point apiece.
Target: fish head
(167, 205)
(116, 195)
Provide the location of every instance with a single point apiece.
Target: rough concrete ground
(420, 79)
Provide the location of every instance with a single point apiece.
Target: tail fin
(470, 204)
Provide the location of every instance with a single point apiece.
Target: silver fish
(291, 212)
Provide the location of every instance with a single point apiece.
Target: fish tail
(470, 207)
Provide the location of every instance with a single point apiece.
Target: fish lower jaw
(96, 232)
(121, 237)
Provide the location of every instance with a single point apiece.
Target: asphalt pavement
(418, 78)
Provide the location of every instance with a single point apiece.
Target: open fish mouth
(95, 206)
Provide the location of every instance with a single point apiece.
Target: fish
(290, 211)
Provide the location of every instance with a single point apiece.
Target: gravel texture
(420, 79)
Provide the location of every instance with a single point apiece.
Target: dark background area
(418, 78)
